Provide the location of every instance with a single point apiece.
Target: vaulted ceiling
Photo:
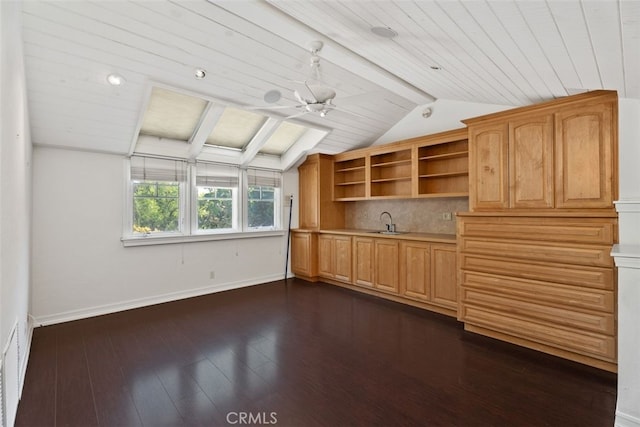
(497, 52)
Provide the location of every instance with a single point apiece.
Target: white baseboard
(626, 420)
(84, 313)
(27, 352)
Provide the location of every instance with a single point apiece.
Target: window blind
(266, 178)
(154, 169)
(216, 175)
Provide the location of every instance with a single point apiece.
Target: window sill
(167, 240)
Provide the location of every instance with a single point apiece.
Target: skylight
(236, 128)
(172, 115)
(185, 125)
(283, 138)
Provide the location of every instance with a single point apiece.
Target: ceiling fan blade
(306, 95)
(273, 107)
(296, 115)
(298, 97)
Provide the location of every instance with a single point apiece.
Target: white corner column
(627, 259)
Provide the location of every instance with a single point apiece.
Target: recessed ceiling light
(272, 96)
(385, 32)
(200, 73)
(115, 79)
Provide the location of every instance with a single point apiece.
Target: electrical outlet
(212, 274)
(446, 216)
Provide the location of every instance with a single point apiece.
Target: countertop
(429, 237)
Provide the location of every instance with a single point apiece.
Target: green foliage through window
(261, 206)
(156, 206)
(215, 208)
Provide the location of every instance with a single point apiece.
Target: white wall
(446, 115)
(627, 257)
(15, 208)
(80, 267)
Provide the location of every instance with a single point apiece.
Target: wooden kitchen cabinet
(488, 167)
(428, 273)
(363, 261)
(543, 282)
(415, 270)
(444, 285)
(304, 254)
(387, 259)
(334, 257)
(531, 162)
(556, 155)
(317, 210)
(585, 157)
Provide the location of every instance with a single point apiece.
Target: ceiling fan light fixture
(385, 32)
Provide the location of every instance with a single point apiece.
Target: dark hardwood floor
(298, 354)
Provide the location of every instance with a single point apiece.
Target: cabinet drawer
(592, 277)
(583, 230)
(532, 290)
(586, 343)
(589, 321)
(553, 252)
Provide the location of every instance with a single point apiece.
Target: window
(263, 190)
(172, 197)
(217, 197)
(157, 188)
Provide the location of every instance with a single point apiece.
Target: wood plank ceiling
(498, 52)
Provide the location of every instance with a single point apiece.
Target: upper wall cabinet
(585, 156)
(556, 155)
(428, 166)
(317, 209)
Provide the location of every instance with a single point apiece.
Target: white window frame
(277, 210)
(188, 218)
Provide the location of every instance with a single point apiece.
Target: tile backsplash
(415, 215)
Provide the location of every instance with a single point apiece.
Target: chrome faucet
(391, 227)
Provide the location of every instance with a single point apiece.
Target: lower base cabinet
(304, 254)
(415, 272)
(334, 257)
(428, 273)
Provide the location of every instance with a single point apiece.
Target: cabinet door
(308, 184)
(363, 261)
(584, 157)
(386, 265)
(415, 270)
(444, 286)
(488, 167)
(326, 248)
(531, 162)
(342, 258)
(303, 254)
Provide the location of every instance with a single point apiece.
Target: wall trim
(627, 205)
(627, 256)
(100, 310)
(27, 353)
(626, 420)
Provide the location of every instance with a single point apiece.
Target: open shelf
(443, 169)
(349, 179)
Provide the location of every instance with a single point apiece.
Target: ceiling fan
(312, 95)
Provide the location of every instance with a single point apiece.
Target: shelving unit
(443, 169)
(349, 179)
(391, 174)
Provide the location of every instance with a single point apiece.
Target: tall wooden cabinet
(533, 253)
(556, 155)
(317, 210)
